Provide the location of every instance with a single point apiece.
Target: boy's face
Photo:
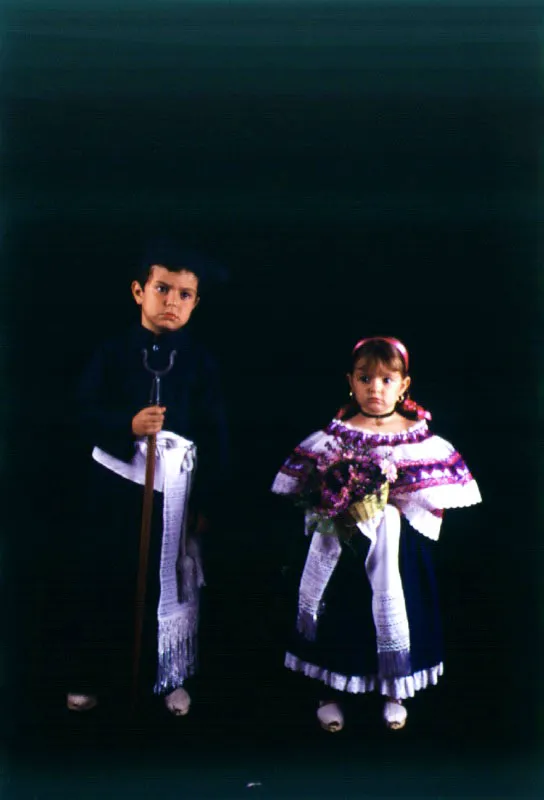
(167, 300)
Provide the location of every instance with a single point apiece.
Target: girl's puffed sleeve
(295, 471)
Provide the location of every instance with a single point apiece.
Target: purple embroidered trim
(448, 463)
(353, 437)
(299, 464)
(412, 477)
(301, 452)
(424, 474)
(429, 483)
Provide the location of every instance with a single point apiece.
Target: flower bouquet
(346, 481)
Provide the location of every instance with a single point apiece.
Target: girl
(380, 632)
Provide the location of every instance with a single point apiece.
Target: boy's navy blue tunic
(114, 388)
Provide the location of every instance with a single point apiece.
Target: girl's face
(376, 389)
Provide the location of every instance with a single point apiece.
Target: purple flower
(343, 476)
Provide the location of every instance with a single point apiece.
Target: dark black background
(358, 168)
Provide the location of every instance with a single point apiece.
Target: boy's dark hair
(175, 258)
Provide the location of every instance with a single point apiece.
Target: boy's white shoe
(81, 702)
(178, 702)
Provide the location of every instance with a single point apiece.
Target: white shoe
(178, 702)
(81, 702)
(330, 717)
(394, 714)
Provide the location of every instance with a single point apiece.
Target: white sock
(178, 702)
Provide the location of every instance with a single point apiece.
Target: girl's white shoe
(330, 717)
(178, 702)
(394, 714)
(81, 702)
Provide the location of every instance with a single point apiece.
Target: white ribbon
(388, 604)
(321, 562)
(382, 569)
(178, 620)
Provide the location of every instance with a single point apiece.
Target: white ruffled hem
(396, 688)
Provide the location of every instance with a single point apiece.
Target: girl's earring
(401, 398)
(351, 394)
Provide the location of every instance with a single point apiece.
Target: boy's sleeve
(100, 419)
(213, 450)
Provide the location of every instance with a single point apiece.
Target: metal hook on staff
(147, 509)
(155, 397)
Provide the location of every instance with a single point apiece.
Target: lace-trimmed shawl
(433, 476)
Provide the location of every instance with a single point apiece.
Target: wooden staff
(145, 530)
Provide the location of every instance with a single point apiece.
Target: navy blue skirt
(346, 636)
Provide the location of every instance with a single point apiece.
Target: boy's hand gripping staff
(155, 400)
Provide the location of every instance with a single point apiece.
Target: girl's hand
(148, 421)
(347, 520)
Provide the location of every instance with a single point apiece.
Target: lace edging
(417, 432)
(178, 649)
(397, 688)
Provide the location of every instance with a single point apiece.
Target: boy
(115, 417)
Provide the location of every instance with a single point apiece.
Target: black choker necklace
(377, 416)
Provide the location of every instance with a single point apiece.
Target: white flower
(389, 470)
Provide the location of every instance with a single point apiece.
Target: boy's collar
(143, 339)
(144, 334)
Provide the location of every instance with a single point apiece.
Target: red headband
(395, 342)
